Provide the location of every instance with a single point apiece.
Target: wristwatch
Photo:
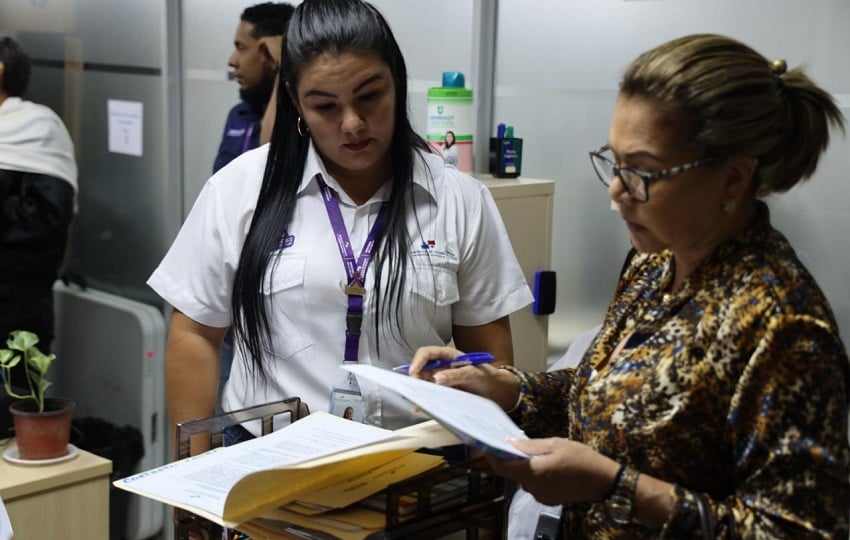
(620, 505)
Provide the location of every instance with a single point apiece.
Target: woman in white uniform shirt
(261, 240)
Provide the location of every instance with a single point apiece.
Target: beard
(258, 95)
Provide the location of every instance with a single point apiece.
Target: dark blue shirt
(241, 133)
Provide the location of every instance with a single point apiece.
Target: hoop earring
(301, 131)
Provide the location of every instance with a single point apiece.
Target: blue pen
(468, 359)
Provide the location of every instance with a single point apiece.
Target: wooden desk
(68, 500)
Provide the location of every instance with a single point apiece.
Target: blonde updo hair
(739, 103)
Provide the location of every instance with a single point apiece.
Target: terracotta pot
(42, 435)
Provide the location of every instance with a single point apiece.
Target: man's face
(250, 62)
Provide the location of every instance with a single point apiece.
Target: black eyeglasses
(636, 182)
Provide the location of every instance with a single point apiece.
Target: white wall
(207, 42)
(558, 64)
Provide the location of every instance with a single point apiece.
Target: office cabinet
(68, 500)
(526, 208)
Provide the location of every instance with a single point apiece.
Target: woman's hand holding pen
(483, 379)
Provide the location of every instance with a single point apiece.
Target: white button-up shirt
(461, 270)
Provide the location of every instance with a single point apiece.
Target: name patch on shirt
(236, 132)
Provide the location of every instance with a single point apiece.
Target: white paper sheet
(477, 421)
(204, 481)
(125, 126)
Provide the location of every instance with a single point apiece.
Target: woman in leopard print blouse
(718, 379)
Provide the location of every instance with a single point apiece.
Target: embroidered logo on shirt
(434, 250)
(286, 242)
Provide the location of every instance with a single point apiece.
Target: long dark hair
(320, 27)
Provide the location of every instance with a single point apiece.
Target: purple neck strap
(355, 268)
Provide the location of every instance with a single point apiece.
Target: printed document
(476, 420)
(230, 485)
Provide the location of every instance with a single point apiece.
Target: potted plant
(42, 424)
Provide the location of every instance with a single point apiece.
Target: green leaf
(8, 358)
(41, 363)
(21, 340)
(36, 364)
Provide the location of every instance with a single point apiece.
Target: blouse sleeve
(542, 410)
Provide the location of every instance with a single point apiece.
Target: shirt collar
(314, 166)
(427, 171)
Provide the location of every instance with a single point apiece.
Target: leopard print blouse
(735, 386)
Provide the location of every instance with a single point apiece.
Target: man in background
(254, 69)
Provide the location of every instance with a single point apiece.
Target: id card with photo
(346, 400)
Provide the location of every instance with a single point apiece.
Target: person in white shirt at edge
(6, 532)
(259, 248)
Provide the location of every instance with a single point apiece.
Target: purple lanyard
(355, 269)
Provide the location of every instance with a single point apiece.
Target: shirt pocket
(435, 284)
(434, 290)
(283, 290)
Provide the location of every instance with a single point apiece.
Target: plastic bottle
(450, 121)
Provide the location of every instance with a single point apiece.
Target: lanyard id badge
(346, 399)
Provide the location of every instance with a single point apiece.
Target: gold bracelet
(516, 374)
